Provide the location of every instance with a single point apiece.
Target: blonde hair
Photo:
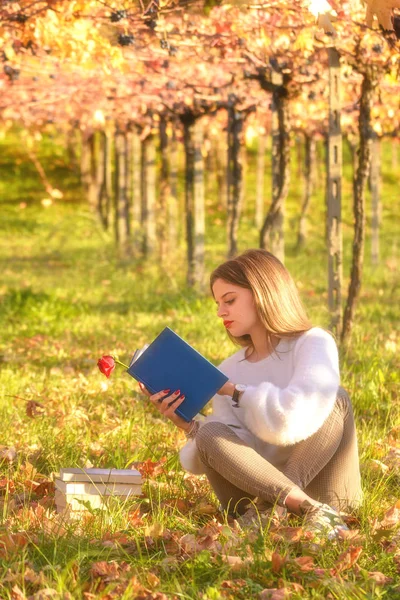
(275, 294)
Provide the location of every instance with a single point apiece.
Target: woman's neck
(263, 345)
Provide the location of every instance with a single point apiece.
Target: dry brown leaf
(6, 486)
(152, 579)
(277, 562)
(17, 593)
(155, 530)
(12, 542)
(347, 559)
(352, 535)
(8, 453)
(34, 409)
(109, 571)
(45, 594)
(288, 534)
(235, 562)
(306, 563)
(149, 468)
(379, 578)
(391, 517)
(275, 594)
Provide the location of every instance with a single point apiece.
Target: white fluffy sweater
(289, 395)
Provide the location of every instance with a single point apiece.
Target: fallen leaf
(347, 559)
(155, 530)
(274, 594)
(379, 578)
(236, 562)
(277, 562)
(34, 409)
(8, 453)
(306, 563)
(105, 570)
(152, 579)
(17, 594)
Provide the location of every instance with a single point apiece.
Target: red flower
(106, 365)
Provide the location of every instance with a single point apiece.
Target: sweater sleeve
(285, 416)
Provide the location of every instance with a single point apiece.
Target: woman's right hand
(166, 403)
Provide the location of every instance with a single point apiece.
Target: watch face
(240, 387)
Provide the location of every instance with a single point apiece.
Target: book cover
(101, 475)
(171, 363)
(102, 489)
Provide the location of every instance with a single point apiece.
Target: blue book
(171, 363)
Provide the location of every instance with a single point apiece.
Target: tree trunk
(135, 191)
(375, 181)
(93, 192)
(149, 195)
(334, 195)
(220, 150)
(272, 230)
(104, 179)
(359, 204)
(235, 177)
(199, 208)
(121, 192)
(309, 160)
(164, 189)
(395, 154)
(194, 198)
(173, 203)
(85, 162)
(260, 173)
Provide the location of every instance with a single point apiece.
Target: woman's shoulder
(317, 337)
(233, 359)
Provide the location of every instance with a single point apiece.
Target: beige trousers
(325, 466)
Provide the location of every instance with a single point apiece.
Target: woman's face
(235, 306)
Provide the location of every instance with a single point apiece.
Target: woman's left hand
(227, 389)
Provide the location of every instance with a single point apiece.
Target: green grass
(67, 298)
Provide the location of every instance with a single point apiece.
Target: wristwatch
(237, 394)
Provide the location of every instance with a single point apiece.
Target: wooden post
(188, 121)
(199, 208)
(234, 175)
(121, 200)
(135, 192)
(149, 195)
(334, 195)
(375, 175)
(164, 189)
(260, 172)
(173, 206)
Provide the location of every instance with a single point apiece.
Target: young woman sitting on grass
(281, 429)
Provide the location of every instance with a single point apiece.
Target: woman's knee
(343, 402)
(209, 432)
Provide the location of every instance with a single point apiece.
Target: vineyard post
(334, 195)
(375, 196)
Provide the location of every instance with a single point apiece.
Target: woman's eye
(230, 301)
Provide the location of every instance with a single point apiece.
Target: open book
(171, 363)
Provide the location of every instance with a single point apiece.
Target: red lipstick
(228, 323)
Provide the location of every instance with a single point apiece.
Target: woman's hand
(166, 404)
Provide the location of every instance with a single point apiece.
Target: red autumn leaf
(277, 562)
(6, 486)
(109, 571)
(347, 559)
(306, 563)
(106, 365)
(149, 468)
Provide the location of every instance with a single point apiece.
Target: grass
(67, 298)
